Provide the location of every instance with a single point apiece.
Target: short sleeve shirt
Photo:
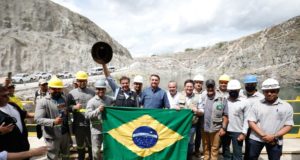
(270, 118)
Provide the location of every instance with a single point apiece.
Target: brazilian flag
(150, 134)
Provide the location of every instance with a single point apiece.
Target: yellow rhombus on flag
(134, 133)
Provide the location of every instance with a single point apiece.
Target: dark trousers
(255, 147)
(231, 138)
(83, 140)
(198, 137)
(247, 144)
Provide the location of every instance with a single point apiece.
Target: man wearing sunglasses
(13, 132)
(269, 119)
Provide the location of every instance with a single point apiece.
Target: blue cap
(250, 79)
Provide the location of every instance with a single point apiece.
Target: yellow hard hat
(55, 82)
(81, 75)
(224, 77)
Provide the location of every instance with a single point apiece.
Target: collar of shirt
(196, 92)
(48, 96)
(154, 89)
(99, 98)
(173, 96)
(81, 89)
(191, 96)
(253, 95)
(278, 101)
(237, 99)
(215, 98)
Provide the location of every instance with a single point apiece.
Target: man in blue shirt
(153, 96)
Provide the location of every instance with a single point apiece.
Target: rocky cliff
(39, 35)
(273, 52)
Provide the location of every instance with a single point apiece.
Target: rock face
(273, 52)
(39, 35)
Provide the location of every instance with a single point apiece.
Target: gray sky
(149, 27)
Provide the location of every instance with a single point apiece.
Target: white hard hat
(270, 83)
(138, 79)
(233, 85)
(198, 77)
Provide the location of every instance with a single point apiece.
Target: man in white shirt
(172, 94)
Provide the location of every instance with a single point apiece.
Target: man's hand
(77, 106)
(58, 120)
(268, 138)
(38, 151)
(241, 137)
(194, 109)
(61, 106)
(101, 108)
(6, 129)
(222, 132)
(177, 108)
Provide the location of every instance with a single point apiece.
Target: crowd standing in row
(223, 116)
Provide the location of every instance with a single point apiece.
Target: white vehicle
(112, 68)
(43, 75)
(64, 74)
(96, 71)
(22, 78)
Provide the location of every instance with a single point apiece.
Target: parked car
(22, 78)
(43, 75)
(64, 74)
(112, 68)
(95, 71)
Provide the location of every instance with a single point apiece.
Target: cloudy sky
(148, 27)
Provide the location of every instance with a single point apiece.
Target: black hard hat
(102, 52)
(210, 83)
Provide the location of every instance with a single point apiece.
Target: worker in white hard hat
(138, 84)
(269, 119)
(198, 81)
(198, 90)
(237, 127)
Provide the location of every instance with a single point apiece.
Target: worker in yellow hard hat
(78, 99)
(223, 81)
(52, 114)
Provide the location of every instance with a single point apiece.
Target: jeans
(236, 145)
(198, 136)
(247, 144)
(191, 142)
(255, 147)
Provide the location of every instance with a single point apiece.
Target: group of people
(228, 115)
(224, 115)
